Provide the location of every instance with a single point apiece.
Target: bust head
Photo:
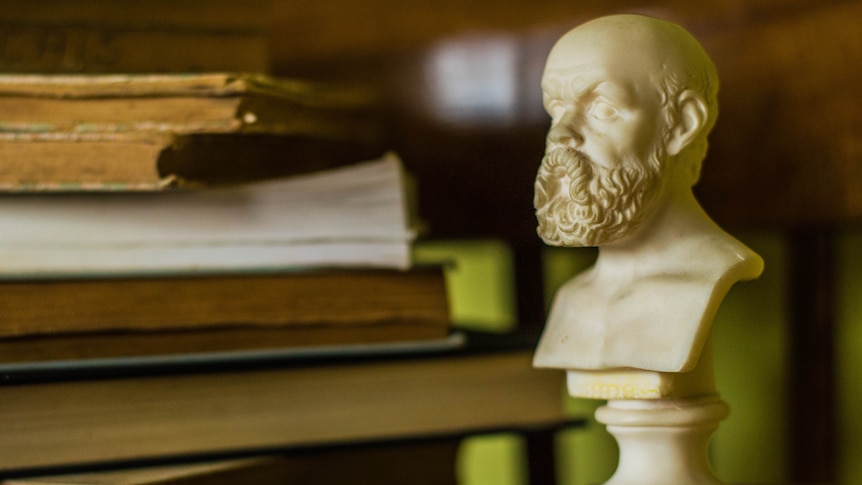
(631, 99)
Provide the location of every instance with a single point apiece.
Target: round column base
(664, 441)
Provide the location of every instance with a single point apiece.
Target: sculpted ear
(691, 120)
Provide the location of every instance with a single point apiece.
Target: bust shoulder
(649, 311)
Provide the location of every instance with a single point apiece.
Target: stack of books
(199, 267)
(168, 215)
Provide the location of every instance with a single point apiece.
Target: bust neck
(679, 237)
(676, 216)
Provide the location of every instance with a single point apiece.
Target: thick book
(182, 103)
(86, 421)
(146, 132)
(208, 473)
(426, 462)
(158, 316)
(248, 341)
(151, 161)
(415, 462)
(357, 215)
(53, 36)
(179, 15)
(73, 49)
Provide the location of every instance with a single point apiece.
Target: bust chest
(656, 323)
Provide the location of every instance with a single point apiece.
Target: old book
(226, 472)
(356, 215)
(295, 299)
(428, 462)
(207, 473)
(123, 347)
(184, 103)
(145, 132)
(154, 161)
(54, 36)
(181, 15)
(74, 49)
(85, 421)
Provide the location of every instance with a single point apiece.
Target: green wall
(849, 342)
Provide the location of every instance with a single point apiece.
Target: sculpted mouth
(551, 147)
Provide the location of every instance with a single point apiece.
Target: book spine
(182, 15)
(65, 49)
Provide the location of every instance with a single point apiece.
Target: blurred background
(458, 90)
(460, 85)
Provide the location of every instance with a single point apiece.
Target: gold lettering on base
(613, 391)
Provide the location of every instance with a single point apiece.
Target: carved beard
(581, 203)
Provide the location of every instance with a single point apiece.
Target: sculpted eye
(603, 111)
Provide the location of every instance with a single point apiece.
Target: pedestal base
(663, 442)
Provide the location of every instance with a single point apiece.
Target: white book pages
(355, 215)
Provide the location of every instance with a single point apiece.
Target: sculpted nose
(565, 132)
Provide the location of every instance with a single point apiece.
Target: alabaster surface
(630, 383)
(632, 100)
(663, 442)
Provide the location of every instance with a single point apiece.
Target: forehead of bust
(628, 48)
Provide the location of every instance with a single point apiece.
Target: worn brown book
(213, 102)
(418, 463)
(74, 49)
(54, 36)
(433, 462)
(154, 161)
(249, 341)
(145, 132)
(208, 473)
(209, 15)
(265, 301)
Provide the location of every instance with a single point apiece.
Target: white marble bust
(632, 100)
